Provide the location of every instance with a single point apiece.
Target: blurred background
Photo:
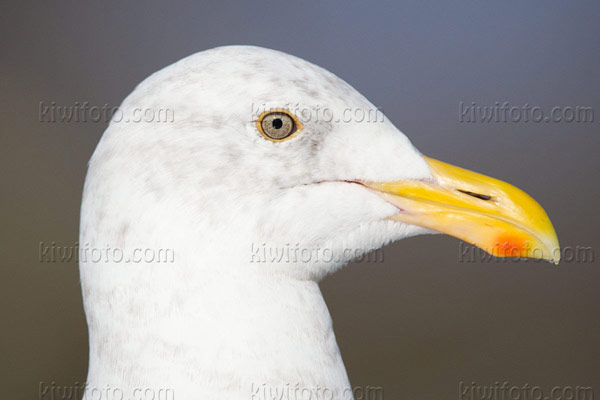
(434, 313)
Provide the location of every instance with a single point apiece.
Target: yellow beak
(486, 212)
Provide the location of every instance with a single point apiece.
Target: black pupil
(277, 123)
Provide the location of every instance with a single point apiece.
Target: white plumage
(213, 324)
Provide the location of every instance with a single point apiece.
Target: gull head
(259, 173)
(243, 158)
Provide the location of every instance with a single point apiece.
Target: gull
(262, 151)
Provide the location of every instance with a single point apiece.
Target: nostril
(478, 195)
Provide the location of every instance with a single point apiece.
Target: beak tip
(554, 248)
(556, 255)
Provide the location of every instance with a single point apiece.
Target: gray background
(422, 321)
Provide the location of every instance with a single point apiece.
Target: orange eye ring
(278, 125)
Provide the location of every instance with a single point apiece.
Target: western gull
(262, 150)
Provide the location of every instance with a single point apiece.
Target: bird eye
(278, 125)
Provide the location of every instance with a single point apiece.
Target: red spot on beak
(510, 246)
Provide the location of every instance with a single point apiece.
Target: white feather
(213, 324)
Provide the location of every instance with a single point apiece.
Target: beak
(486, 212)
